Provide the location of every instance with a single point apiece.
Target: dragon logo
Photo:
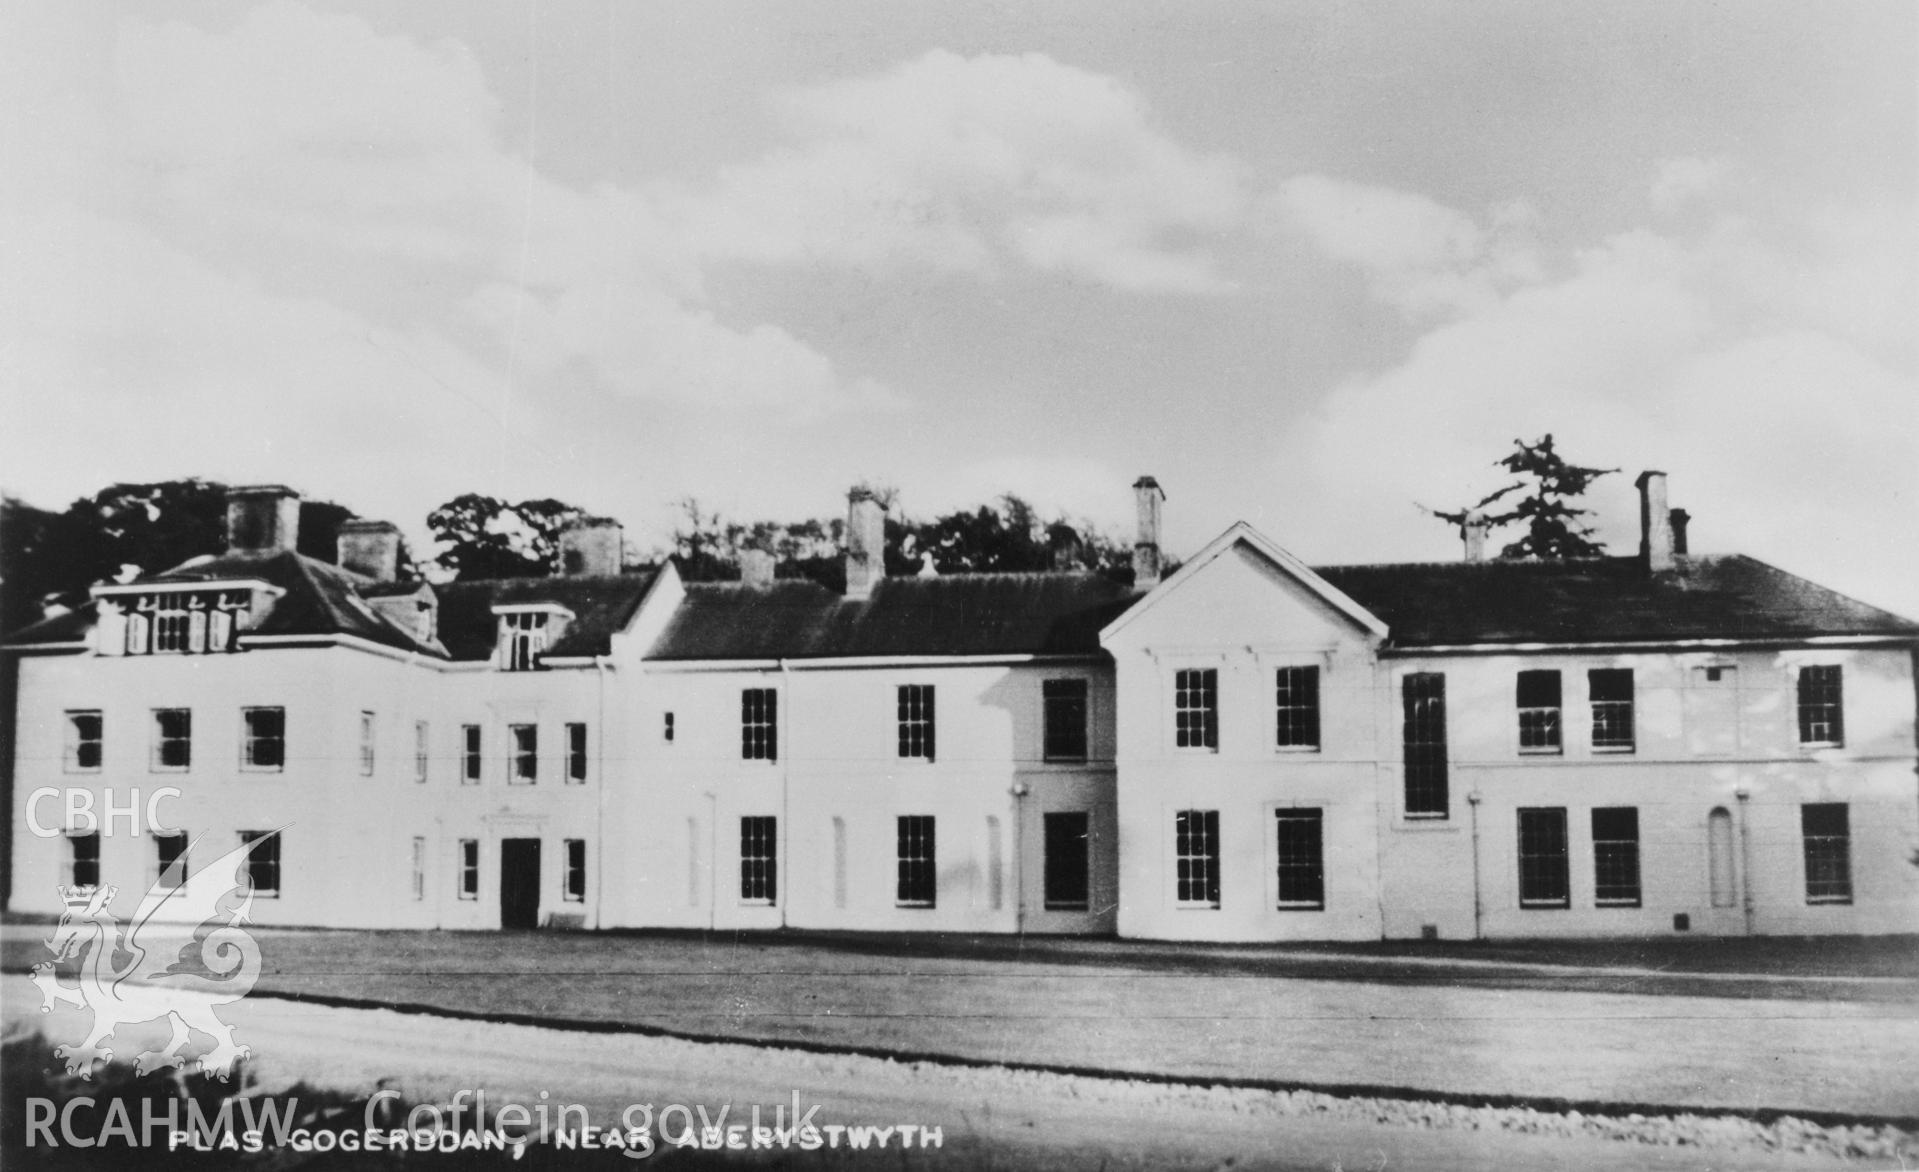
(158, 980)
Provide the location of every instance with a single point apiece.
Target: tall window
(1543, 881)
(170, 623)
(1296, 701)
(263, 738)
(422, 746)
(1063, 704)
(666, 727)
(1196, 708)
(1423, 697)
(1616, 856)
(1538, 699)
(1827, 827)
(470, 754)
(172, 739)
(1821, 719)
(419, 868)
(1067, 855)
(1196, 857)
(1302, 860)
(759, 860)
(469, 876)
(525, 739)
(170, 857)
(576, 753)
(918, 878)
(759, 724)
(525, 635)
(574, 890)
(366, 744)
(1611, 692)
(916, 720)
(263, 862)
(86, 859)
(84, 741)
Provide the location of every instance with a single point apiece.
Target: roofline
(1405, 652)
(1241, 531)
(156, 586)
(355, 642)
(796, 663)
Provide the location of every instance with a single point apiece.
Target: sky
(1313, 266)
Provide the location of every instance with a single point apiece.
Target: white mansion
(1250, 749)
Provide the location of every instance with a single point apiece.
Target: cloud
(1685, 181)
(1418, 253)
(313, 138)
(978, 165)
(1788, 431)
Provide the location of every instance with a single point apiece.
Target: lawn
(1808, 1025)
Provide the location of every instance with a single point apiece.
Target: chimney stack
(1063, 542)
(370, 548)
(1146, 561)
(865, 543)
(262, 520)
(1679, 518)
(1472, 532)
(591, 547)
(756, 568)
(1655, 523)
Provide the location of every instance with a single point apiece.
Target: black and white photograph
(1322, 586)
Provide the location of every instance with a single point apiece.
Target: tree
(1553, 526)
(485, 537)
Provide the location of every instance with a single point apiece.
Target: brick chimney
(262, 520)
(1655, 523)
(1062, 541)
(865, 543)
(370, 548)
(591, 547)
(1146, 560)
(756, 568)
(1680, 518)
(1472, 533)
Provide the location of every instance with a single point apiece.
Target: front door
(519, 883)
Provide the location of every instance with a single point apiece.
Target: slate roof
(1604, 600)
(963, 614)
(320, 599)
(601, 605)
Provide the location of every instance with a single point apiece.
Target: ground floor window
(419, 868)
(918, 880)
(575, 889)
(1196, 857)
(759, 860)
(1067, 857)
(170, 852)
(1827, 827)
(85, 865)
(1302, 863)
(263, 862)
(1543, 881)
(1616, 856)
(469, 868)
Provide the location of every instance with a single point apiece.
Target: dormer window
(524, 639)
(180, 622)
(526, 632)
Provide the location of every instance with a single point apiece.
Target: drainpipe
(599, 781)
(786, 783)
(712, 861)
(1745, 854)
(1019, 791)
(1472, 802)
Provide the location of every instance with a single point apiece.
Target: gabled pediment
(1242, 579)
